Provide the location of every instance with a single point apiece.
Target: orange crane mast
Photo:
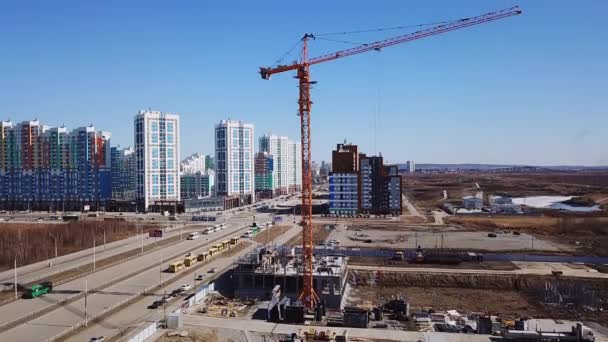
(308, 296)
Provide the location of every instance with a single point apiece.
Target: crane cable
(280, 60)
(340, 41)
(389, 28)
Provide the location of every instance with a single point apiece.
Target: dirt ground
(589, 235)
(270, 234)
(488, 265)
(427, 189)
(319, 233)
(508, 304)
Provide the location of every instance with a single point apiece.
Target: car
(157, 304)
(97, 339)
(492, 235)
(200, 277)
(185, 287)
(213, 270)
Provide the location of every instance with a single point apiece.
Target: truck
(38, 290)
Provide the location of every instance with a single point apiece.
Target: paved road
(526, 268)
(138, 312)
(41, 270)
(67, 315)
(287, 329)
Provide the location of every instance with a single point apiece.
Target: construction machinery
(302, 67)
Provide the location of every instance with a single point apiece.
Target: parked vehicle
(185, 287)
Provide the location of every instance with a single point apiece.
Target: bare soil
(588, 234)
(319, 233)
(270, 234)
(506, 303)
(377, 261)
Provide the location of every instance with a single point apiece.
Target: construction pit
(509, 289)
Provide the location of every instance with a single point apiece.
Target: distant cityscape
(56, 169)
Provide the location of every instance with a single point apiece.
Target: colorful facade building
(265, 186)
(123, 174)
(49, 168)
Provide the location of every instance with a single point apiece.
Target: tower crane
(308, 296)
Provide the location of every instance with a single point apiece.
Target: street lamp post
(55, 241)
(104, 236)
(94, 256)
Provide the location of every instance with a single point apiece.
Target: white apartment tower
(278, 147)
(234, 160)
(157, 157)
(193, 163)
(295, 166)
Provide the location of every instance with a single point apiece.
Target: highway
(126, 279)
(116, 282)
(41, 270)
(138, 311)
(145, 271)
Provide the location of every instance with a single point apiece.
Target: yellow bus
(176, 267)
(234, 240)
(203, 256)
(218, 247)
(225, 244)
(189, 261)
(212, 250)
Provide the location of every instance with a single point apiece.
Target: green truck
(38, 290)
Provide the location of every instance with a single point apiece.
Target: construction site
(266, 270)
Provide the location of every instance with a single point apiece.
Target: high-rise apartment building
(264, 175)
(380, 187)
(196, 185)
(344, 180)
(278, 148)
(157, 154)
(193, 163)
(345, 158)
(295, 166)
(410, 166)
(209, 162)
(49, 168)
(123, 173)
(234, 169)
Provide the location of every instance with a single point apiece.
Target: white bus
(193, 236)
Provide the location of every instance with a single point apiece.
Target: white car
(185, 287)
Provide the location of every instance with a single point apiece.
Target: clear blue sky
(531, 89)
